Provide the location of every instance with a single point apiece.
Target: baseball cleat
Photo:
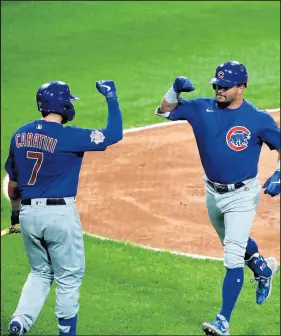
(219, 327)
(16, 328)
(264, 286)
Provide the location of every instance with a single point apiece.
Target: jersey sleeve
(77, 139)
(183, 111)
(10, 166)
(270, 132)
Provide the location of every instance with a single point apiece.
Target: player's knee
(234, 255)
(45, 275)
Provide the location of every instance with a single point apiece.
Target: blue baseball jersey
(45, 157)
(229, 140)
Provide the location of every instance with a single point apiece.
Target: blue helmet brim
(74, 98)
(222, 82)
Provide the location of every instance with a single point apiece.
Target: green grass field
(143, 46)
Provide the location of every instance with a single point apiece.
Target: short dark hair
(44, 114)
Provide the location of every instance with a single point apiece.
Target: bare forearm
(15, 198)
(170, 101)
(166, 107)
(14, 195)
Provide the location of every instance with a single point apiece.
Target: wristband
(164, 114)
(15, 217)
(171, 96)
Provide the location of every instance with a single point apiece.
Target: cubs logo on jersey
(237, 138)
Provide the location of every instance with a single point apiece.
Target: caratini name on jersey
(40, 141)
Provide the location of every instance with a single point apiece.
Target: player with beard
(230, 132)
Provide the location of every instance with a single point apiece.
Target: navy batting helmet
(229, 74)
(55, 97)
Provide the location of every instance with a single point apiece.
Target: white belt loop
(231, 187)
(69, 200)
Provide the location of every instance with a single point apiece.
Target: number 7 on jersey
(38, 156)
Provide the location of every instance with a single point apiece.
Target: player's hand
(272, 185)
(106, 88)
(183, 84)
(15, 228)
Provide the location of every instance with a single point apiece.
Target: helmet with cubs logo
(230, 74)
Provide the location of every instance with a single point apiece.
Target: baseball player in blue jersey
(230, 132)
(43, 167)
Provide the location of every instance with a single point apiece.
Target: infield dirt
(148, 189)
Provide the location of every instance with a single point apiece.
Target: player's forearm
(14, 194)
(15, 198)
(114, 127)
(170, 101)
(171, 98)
(166, 106)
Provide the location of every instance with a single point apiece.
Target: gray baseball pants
(232, 216)
(54, 244)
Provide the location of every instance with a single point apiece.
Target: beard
(223, 105)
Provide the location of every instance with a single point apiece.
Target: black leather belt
(49, 201)
(223, 188)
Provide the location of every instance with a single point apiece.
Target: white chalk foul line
(194, 256)
(131, 130)
(273, 110)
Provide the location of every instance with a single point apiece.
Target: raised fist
(183, 84)
(107, 88)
